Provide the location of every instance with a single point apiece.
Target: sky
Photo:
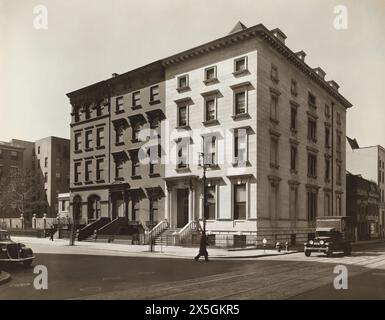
(88, 40)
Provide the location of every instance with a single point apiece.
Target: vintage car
(13, 252)
(328, 240)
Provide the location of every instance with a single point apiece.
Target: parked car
(328, 240)
(13, 252)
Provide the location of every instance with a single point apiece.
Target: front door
(182, 207)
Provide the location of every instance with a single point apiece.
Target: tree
(22, 192)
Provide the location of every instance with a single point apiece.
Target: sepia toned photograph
(184, 150)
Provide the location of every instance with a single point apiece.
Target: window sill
(138, 106)
(77, 183)
(136, 177)
(119, 111)
(210, 122)
(100, 181)
(314, 106)
(312, 177)
(310, 140)
(183, 127)
(153, 102)
(240, 164)
(119, 179)
(182, 170)
(239, 73)
(100, 147)
(184, 89)
(119, 144)
(293, 131)
(135, 140)
(78, 151)
(241, 116)
(275, 80)
(88, 182)
(210, 81)
(274, 166)
(88, 149)
(274, 121)
(154, 175)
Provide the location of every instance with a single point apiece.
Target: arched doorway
(93, 207)
(77, 208)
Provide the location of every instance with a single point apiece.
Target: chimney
(301, 54)
(334, 85)
(320, 72)
(114, 75)
(279, 34)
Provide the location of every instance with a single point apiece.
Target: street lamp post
(204, 165)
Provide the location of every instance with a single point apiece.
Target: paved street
(280, 277)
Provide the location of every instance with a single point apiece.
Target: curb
(4, 277)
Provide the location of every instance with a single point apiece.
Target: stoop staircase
(165, 238)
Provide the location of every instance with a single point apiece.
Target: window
(312, 130)
(63, 205)
(153, 209)
(210, 109)
(1, 153)
(45, 162)
(210, 74)
(154, 93)
(154, 123)
(88, 139)
(327, 111)
(311, 100)
(338, 118)
(38, 163)
(274, 152)
(88, 171)
(274, 74)
(183, 115)
(327, 169)
(155, 153)
(134, 165)
(58, 162)
(14, 155)
(98, 108)
(119, 104)
(182, 161)
(182, 82)
(77, 172)
(78, 142)
(327, 137)
(293, 158)
(240, 201)
(209, 150)
(76, 115)
(293, 201)
(312, 195)
(87, 112)
(135, 131)
(274, 107)
(1, 171)
(99, 169)
(136, 99)
(293, 119)
(339, 142)
(38, 150)
(327, 203)
(240, 65)
(293, 88)
(312, 165)
(135, 209)
(99, 137)
(339, 173)
(240, 102)
(210, 202)
(58, 175)
(118, 168)
(339, 204)
(240, 147)
(45, 177)
(119, 135)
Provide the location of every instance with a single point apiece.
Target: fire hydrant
(278, 246)
(287, 246)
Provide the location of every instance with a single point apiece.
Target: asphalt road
(282, 277)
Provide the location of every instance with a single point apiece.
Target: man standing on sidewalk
(203, 248)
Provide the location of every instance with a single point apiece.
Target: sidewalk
(61, 246)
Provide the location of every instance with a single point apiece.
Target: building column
(129, 208)
(190, 204)
(167, 213)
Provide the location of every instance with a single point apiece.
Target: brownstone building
(109, 186)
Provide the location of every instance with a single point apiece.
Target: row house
(109, 182)
(268, 127)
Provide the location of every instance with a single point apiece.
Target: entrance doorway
(182, 207)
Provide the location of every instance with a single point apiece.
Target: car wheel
(27, 263)
(307, 253)
(329, 253)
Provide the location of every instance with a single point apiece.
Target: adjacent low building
(362, 205)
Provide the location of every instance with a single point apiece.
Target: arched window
(94, 207)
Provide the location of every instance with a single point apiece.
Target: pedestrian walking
(51, 233)
(203, 248)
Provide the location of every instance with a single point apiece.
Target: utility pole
(204, 165)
